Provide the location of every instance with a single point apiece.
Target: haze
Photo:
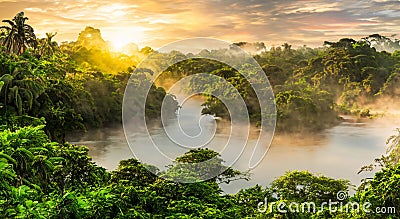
(156, 22)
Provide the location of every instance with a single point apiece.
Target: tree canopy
(48, 90)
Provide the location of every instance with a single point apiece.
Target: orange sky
(156, 22)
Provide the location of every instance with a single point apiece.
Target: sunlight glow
(119, 43)
(121, 38)
(115, 11)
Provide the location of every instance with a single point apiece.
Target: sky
(157, 22)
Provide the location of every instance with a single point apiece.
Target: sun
(118, 44)
(122, 37)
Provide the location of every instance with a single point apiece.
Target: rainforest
(50, 91)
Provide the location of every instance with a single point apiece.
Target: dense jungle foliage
(312, 86)
(49, 90)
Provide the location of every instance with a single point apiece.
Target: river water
(338, 152)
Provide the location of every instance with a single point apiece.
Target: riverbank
(330, 152)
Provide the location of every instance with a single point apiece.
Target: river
(338, 152)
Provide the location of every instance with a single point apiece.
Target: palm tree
(47, 46)
(19, 36)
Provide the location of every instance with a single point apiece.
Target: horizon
(155, 23)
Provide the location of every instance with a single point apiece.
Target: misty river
(338, 152)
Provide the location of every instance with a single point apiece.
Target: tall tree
(19, 35)
(47, 46)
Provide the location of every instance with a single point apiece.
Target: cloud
(155, 22)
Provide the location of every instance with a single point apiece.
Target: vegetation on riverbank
(44, 179)
(312, 86)
(70, 86)
(48, 90)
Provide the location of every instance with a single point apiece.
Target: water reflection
(338, 152)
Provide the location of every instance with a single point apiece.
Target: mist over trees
(312, 86)
(48, 90)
